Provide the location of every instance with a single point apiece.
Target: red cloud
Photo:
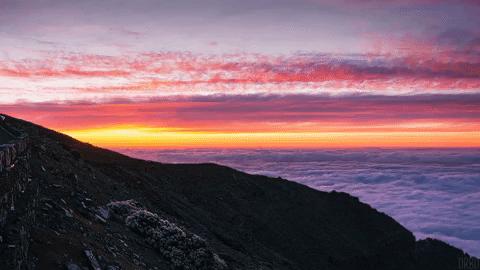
(267, 113)
(411, 70)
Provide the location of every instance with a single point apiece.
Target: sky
(245, 74)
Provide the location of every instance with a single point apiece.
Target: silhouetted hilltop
(100, 209)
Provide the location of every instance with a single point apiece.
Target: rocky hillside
(98, 209)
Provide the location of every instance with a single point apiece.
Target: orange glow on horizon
(155, 137)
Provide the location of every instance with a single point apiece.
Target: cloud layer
(67, 77)
(430, 112)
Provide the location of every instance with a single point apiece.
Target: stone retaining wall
(18, 201)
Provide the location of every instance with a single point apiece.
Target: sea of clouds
(433, 192)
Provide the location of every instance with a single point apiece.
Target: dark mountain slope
(247, 221)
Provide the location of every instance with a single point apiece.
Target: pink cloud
(259, 112)
(82, 76)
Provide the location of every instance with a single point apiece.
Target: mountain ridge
(247, 221)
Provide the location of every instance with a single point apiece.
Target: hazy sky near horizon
(283, 73)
